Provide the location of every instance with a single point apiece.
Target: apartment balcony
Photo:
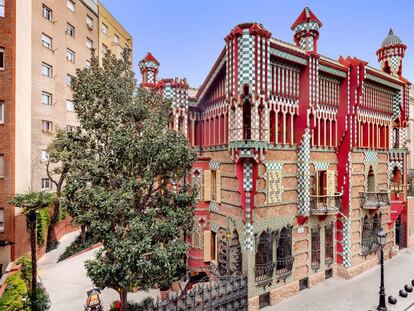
(264, 273)
(321, 205)
(245, 145)
(374, 200)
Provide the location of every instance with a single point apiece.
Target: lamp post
(382, 237)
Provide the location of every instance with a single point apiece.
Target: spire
(149, 69)
(391, 54)
(306, 30)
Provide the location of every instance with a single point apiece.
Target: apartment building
(42, 43)
(113, 35)
(302, 159)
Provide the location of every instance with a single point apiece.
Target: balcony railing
(284, 266)
(264, 273)
(374, 200)
(325, 204)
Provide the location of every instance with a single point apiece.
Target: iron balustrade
(325, 204)
(264, 272)
(284, 266)
(374, 200)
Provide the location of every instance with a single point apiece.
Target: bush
(15, 296)
(133, 306)
(40, 300)
(26, 272)
(43, 222)
(77, 246)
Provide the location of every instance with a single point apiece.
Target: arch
(247, 114)
(371, 180)
(236, 259)
(261, 115)
(263, 258)
(366, 236)
(284, 258)
(272, 126)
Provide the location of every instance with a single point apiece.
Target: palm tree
(31, 204)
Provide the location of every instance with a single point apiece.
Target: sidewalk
(359, 293)
(67, 282)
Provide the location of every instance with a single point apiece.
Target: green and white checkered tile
(371, 156)
(346, 243)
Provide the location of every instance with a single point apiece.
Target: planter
(175, 286)
(165, 292)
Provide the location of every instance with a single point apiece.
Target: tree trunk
(53, 221)
(83, 234)
(33, 246)
(124, 302)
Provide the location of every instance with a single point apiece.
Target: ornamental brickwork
(301, 158)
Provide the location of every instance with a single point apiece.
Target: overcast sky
(187, 36)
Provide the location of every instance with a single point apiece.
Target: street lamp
(382, 238)
(93, 302)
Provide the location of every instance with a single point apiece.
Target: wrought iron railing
(374, 200)
(325, 204)
(264, 272)
(369, 245)
(283, 266)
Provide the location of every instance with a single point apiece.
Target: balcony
(283, 266)
(374, 200)
(264, 273)
(325, 204)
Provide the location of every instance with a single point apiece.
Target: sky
(187, 36)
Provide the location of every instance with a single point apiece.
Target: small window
(214, 185)
(104, 49)
(264, 300)
(47, 70)
(71, 128)
(213, 246)
(47, 126)
(89, 22)
(104, 29)
(44, 156)
(70, 55)
(1, 112)
(46, 12)
(69, 79)
(46, 98)
(1, 165)
(46, 184)
(89, 43)
(46, 41)
(70, 30)
(1, 8)
(116, 39)
(88, 64)
(303, 284)
(71, 5)
(69, 105)
(1, 58)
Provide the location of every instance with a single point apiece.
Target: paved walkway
(67, 282)
(359, 293)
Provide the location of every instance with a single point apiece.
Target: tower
(149, 69)
(391, 53)
(306, 30)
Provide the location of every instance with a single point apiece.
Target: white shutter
(207, 245)
(207, 185)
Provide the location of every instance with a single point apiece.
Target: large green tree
(129, 185)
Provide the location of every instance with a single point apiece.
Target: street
(67, 282)
(359, 293)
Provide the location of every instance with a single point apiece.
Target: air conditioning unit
(90, 26)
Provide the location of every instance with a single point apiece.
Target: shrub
(77, 246)
(134, 306)
(43, 222)
(26, 272)
(15, 296)
(40, 300)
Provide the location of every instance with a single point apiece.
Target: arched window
(395, 137)
(272, 126)
(263, 258)
(235, 254)
(181, 124)
(329, 244)
(223, 252)
(316, 248)
(261, 129)
(371, 180)
(284, 258)
(197, 239)
(247, 116)
(366, 236)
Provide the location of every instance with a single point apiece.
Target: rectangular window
(1, 112)
(321, 183)
(1, 165)
(1, 217)
(47, 70)
(213, 185)
(44, 156)
(46, 98)
(46, 12)
(104, 48)
(1, 58)
(116, 39)
(88, 64)
(46, 41)
(89, 43)
(71, 5)
(70, 55)
(104, 29)
(69, 79)
(46, 184)
(47, 126)
(213, 246)
(1, 8)
(70, 30)
(89, 22)
(71, 128)
(69, 105)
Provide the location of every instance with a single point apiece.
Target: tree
(32, 204)
(129, 185)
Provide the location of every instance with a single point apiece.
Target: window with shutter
(330, 177)
(207, 185)
(218, 186)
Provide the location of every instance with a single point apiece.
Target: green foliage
(133, 306)
(26, 271)
(43, 222)
(40, 300)
(77, 246)
(124, 162)
(16, 291)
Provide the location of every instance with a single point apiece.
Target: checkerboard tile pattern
(246, 60)
(321, 166)
(247, 176)
(273, 166)
(214, 227)
(371, 156)
(304, 175)
(248, 240)
(346, 243)
(213, 207)
(214, 165)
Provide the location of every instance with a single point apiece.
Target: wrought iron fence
(325, 204)
(226, 295)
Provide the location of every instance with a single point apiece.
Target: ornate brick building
(301, 158)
